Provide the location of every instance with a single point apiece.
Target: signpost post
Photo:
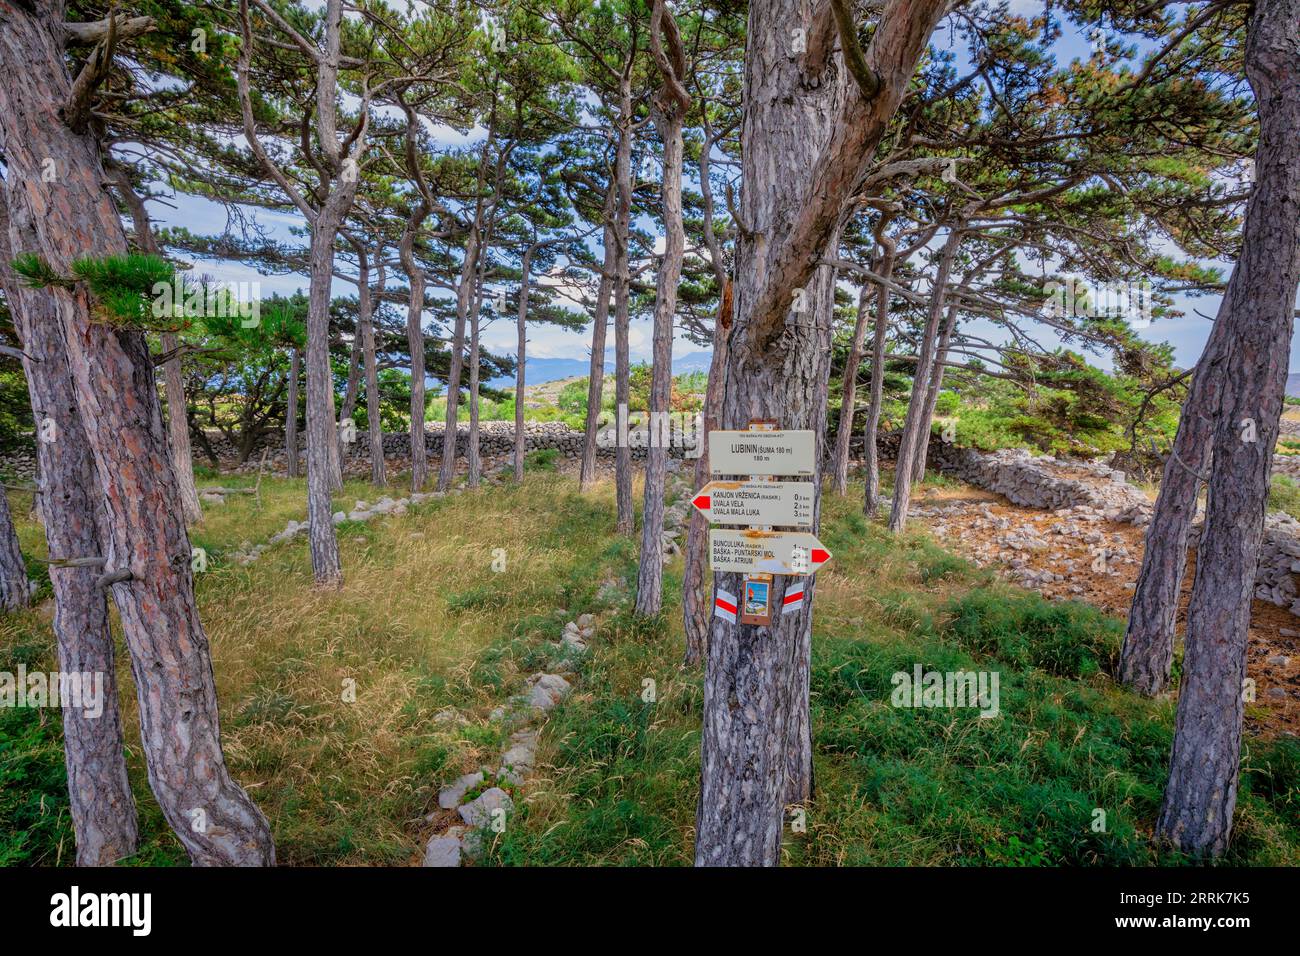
(760, 503)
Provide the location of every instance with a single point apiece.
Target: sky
(1187, 334)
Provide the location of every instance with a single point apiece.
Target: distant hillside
(541, 370)
(1293, 384)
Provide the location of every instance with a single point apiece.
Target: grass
(427, 630)
(1284, 495)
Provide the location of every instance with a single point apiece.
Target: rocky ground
(1077, 553)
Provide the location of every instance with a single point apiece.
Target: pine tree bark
(1259, 306)
(848, 395)
(15, 588)
(914, 421)
(667, 111)
(113, 375)
(871, 429)
(291, 413)
(101, 804)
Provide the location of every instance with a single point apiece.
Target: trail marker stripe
(724, 606)
(793, 599)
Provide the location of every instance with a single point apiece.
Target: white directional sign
(776, 552)
(761, 452)
(757, 502)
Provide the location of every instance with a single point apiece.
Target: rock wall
(1050, 484)
(496, 439)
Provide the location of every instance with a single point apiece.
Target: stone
(443, 850)
(521, 756)
(547, 690)
(479, 811)
(451, 795)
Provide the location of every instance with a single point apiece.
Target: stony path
(482, 804)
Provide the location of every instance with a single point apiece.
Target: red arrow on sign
(820, 555)
(703, 502)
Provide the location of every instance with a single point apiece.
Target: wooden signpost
(759, 503)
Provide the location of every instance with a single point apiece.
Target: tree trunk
(350, 394)
(291, 413)
(932, 394)
(178, 429)
(415, 344)
(145, 535)
(464, 294)
(754, 720)
(870, 430)
(101, 804)
(1259, 307)
(473, 460)
(521, 354)
(626, 518)
(650, 572)
(366, 330)
(322, 433)
(913, 423)
(848, 396)
(755, 682)
(178, 426)
(596, 374)
(15, 588)
(1147, 653)
(697, 582)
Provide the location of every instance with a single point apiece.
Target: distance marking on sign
(785, 503)
(776, 552)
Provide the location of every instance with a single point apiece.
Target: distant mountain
(1293, 384)
(694, 362)
(538, 371)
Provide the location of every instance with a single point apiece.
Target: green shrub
(1067, 638)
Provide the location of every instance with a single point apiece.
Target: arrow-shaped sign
(776, 552)
(757, 502)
